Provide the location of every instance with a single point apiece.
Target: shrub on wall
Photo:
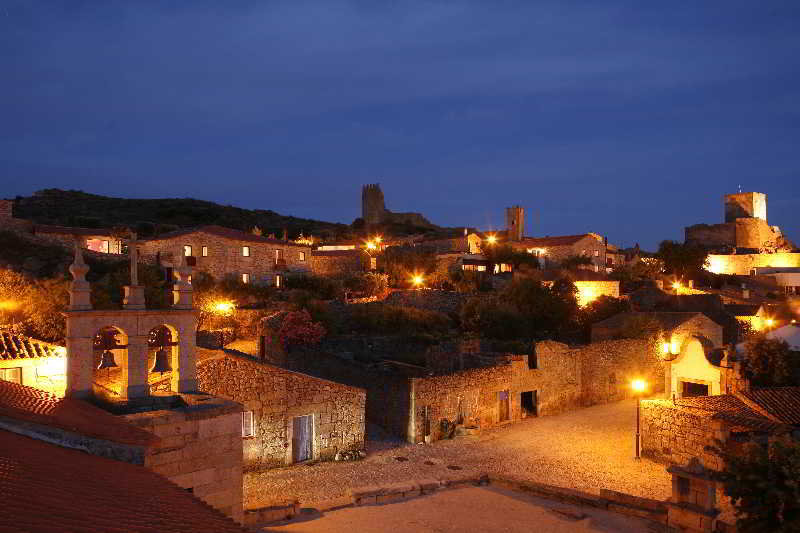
(298, 329)
(770, 363)
(33, 307)
(382, 319)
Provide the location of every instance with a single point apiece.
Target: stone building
(72, 466)
(699, 370)
(228, 253)
(487, 389)
(32, 362)
(591, 285)
(745, 226)
(291, 417)
(197, 438)
(746, 264)
(338, 263)
(551, 251)
(675, 327)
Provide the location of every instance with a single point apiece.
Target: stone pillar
(134, 293)
(79, 362)
(182, 290)
(134, 368)
(79, 290)
(412, 414)
(184, 368)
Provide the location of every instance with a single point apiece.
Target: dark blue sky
(625, 118)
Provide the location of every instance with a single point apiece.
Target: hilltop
(151, 216)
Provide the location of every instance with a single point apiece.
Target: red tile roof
(560, 240)
(27, 404)
(21, 347)
(47, 488)
(227, 233)
(778, 403)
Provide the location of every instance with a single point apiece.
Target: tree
(770, 363)
(762, 483)
(599, 309)
(403, 262)
(574, 262)
(683, 260)
(298, 329)
(505, 253)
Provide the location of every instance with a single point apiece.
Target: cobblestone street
(587, 449)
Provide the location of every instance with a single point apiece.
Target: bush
(298, 329)
(400, 263)
(33, 307)
(320, 287)
(770, 363)
(382, 319)
(368, 284)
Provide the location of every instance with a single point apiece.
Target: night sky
(626, 118)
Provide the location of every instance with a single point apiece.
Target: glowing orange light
(417, 280)
(491, 239)
(378, 238)
(8, 305)
(665, 347)
(769, 322)
(676, 286)
(371, 245)
(223, 308)
(639, 385)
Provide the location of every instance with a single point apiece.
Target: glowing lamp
(769, 322)
(638, 385)
(665, 347)
(8, 305)
(371, 245)
(223, 308)
(417, 280)
(676, 286)
(491, 239)
(378, 238)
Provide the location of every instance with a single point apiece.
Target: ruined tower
(373, 208)
(515, 223)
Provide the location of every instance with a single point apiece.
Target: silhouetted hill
(151, 216)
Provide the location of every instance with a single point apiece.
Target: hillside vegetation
(152, 216)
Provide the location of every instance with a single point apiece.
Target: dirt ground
(587, 449)
(484, 509)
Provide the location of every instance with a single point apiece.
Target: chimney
(285, 234)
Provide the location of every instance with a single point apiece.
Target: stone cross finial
(134, 294)
(79, 290)
(134, 256)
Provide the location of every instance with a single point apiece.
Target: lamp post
(638, 386)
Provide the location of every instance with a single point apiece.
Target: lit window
(302, 256)
(481, 268)
(187, 250)
(246, 251)
(597, 253)
(248, 428)
(278, 280)
(14, 375)
(373, 263)
(245, 278)
(204, 251)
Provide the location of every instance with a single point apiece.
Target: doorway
(503, 410)
(302, 438)
(529, 402)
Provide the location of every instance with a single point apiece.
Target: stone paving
(587, 449)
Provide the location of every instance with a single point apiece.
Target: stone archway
(109, 356)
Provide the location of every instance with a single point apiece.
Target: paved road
(586, 449)
(484, 509)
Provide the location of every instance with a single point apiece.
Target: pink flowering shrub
(298, 329)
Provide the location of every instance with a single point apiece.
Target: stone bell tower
(515, 223)
(135, 331)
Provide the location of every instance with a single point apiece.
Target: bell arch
(109, 355)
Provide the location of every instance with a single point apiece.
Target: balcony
(280, 265)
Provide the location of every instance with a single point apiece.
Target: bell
(162, 362)
(107, 361)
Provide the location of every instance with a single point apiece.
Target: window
(187, 250)
(248, 429)
(278, 280)
(245, 278)
(14, 375)
(302, 256)
(597, 253)
(97, 245)
(373, 263)
(204, 251)
(245, 251)
(683, 486)
(278, 256)
(533, 361)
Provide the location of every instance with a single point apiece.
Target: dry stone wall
(276, 396)
(742, 264)
(608, 367)
(672, 434)
(333, 264)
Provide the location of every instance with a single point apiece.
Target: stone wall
(338, 262)
(201, 451)
(591, 290)
(553, 255)
(745, 205)
(432, 300)
(556, 379)
(742, 264)
(225, 257)
(672, 434)
(711, 235)
(6, 209)
(608, 367)
(756, 233)
(275, 396)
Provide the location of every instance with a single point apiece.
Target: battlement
(745, 205)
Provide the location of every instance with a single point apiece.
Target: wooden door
(502, 406)
(302, 438)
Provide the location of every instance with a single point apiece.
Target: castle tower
(515, 223)
(745, 205)
(373, 207)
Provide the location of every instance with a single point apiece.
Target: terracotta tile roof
(227, 233)
(779, 403)
(667, 320)
(27, 404)
(47, 488)
(561, 240)
(337, 253)
(731, 409)
(14, 346)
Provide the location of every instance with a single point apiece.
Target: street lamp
(638, 386)
(417, 280)
(491, 239)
